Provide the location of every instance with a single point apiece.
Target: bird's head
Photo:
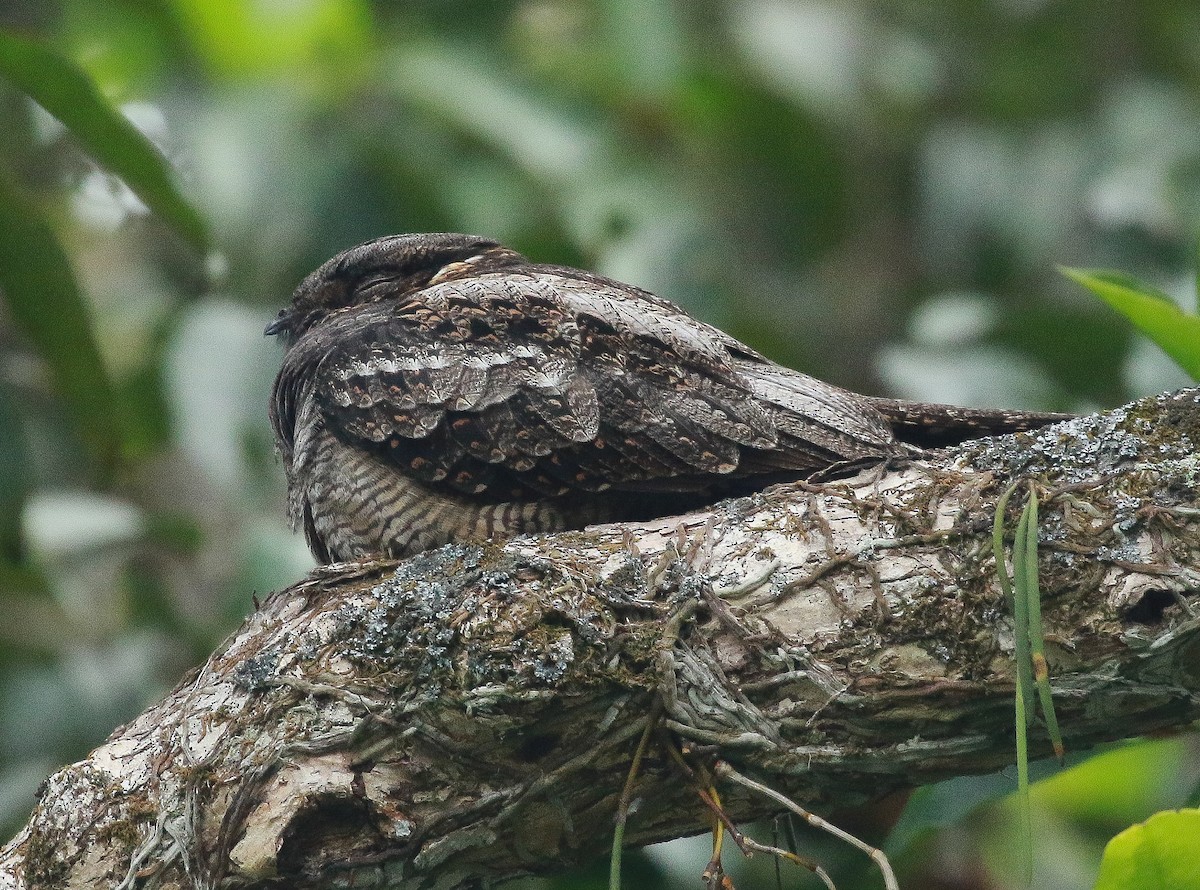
(383, 269)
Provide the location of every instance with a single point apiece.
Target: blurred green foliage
(1155, 314)
(1144, 855)
(877, 193)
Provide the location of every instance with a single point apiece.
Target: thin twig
(725, 771)
(708, 795)
(795, 858)
(714, 876)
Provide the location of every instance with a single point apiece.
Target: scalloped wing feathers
(538, 381)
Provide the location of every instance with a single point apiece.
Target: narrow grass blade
(1021, 613)
(1037, 648)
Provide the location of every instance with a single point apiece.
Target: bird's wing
(540, 382)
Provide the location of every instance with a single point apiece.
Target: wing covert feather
(535, 383)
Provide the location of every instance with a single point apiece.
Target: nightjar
(441, 387)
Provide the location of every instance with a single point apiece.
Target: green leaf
(63, 89)
(37, 284)
(1158, 853)
(1176, 332)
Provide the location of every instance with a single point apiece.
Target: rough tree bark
(470, 714)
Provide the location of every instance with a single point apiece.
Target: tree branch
(471, 714)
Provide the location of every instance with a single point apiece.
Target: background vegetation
(877, 193)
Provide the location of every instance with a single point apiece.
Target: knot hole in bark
(1151, 607)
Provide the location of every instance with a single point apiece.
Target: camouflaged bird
(442, 387)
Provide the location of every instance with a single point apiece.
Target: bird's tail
(930, 425)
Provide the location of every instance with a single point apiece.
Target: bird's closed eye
(378, 281)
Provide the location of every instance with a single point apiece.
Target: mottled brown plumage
(443, 387)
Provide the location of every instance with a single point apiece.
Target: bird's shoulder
(533, 325)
